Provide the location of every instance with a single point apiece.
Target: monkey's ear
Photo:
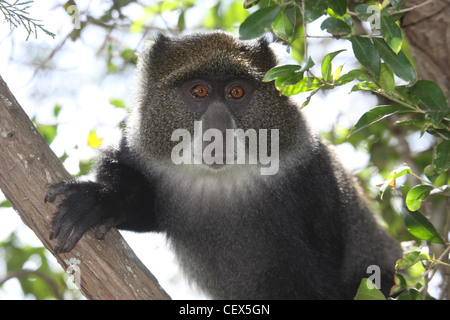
(155, 49)
(161, 38)
(159, 41)
(263, 41)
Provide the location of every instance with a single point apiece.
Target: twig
(432, 265)
(412, 8)
(305, 34)
(305, 38)
(16, 14)
(25, 273)
(398, 11)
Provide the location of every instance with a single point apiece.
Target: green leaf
(129, 55)
(288, 79)
(365, 86)
(398, 63)
(279, 71)
(287, 74)
(5, 204)
(56, 109)
(391, 33)
(235, 15)
(308, 65)
(85, 167)
(286, 21)
(416, 196)
(386, 79)
(337, 73)
(352, 75)
(362, 12)
(433, 98)
(419, 226)
(336, 26)
(368, 291)
(314, 9)
(430, 94)
(47, 131)
(326, 64)
(408, 260)
(410, 294)
(259, 22)
(306, 84)
(403, 91)
(118, 103)
(442, 156)
(298, 49)
(367, 54)
(400, 284)
(376, 114)
(430, 172)
(392, 177)
(338, 6)
(395, 3)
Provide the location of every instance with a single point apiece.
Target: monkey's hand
(85, 205)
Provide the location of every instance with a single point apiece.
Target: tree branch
(25, 273)
(105, 269)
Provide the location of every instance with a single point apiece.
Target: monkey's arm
(120, 197)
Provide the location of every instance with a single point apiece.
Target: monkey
(301, 231)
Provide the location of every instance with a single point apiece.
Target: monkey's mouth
(217, 166)
(214, 155)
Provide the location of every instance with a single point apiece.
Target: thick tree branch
(105, 269)
(429, 36)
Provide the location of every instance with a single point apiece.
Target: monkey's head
(213, 78)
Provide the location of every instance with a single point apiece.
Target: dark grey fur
(303, 233)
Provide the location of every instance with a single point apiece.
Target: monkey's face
(209, 85)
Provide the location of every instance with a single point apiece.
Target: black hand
(82, 208)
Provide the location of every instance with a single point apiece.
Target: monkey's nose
(218, 116)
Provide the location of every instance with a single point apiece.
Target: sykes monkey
(304, 232)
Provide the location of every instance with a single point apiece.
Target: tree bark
(428, 32)
(106, 269)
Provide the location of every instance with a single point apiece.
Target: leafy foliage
(30, 266)
(16, 14)
(368, 291)
(420, 104)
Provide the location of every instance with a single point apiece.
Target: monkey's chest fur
(237, 236)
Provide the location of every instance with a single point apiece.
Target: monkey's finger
(55, 226)
(68, 236)
(102, 230)
(56, 190)
(60, 239)
(63, 224)
(72, 241)
(79, 229)
(60, 219)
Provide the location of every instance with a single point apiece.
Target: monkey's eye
(199, 91)
(236, 92)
